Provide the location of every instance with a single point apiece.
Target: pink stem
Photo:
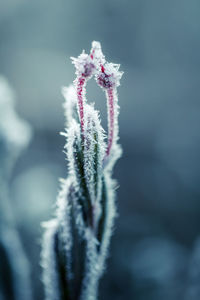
(80, 95)
(111, 119)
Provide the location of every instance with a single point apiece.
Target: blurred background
(155, 253)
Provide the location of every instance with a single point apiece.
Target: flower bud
(84, 65)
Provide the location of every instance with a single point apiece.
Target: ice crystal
(69, 93)
(76, 242)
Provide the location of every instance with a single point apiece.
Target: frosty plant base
(76, 241)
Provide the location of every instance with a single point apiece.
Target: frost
(76, 243)
(50, 274)
(97, 54)
(64, 220)
(73, 150)
(90, 281)
(94, 152)
(69, 93)
(110, 215)
(113, 151)
(109, 76)
(84, 65)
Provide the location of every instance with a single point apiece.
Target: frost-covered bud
(84, 65)
(109, 76)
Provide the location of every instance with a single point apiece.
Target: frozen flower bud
(84, 65)
(109, 76)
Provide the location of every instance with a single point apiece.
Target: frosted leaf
(76, 172)
(91, 278)
(64, 220)
(94, 152)
(70, 103)
(110, 161)
(72, 145)
(48, 261)
(110, 215)
(94, 145)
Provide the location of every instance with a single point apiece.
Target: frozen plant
(76, 241)
(15, 135)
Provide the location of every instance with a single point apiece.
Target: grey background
(157, 44)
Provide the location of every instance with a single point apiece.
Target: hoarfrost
(86, 206)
